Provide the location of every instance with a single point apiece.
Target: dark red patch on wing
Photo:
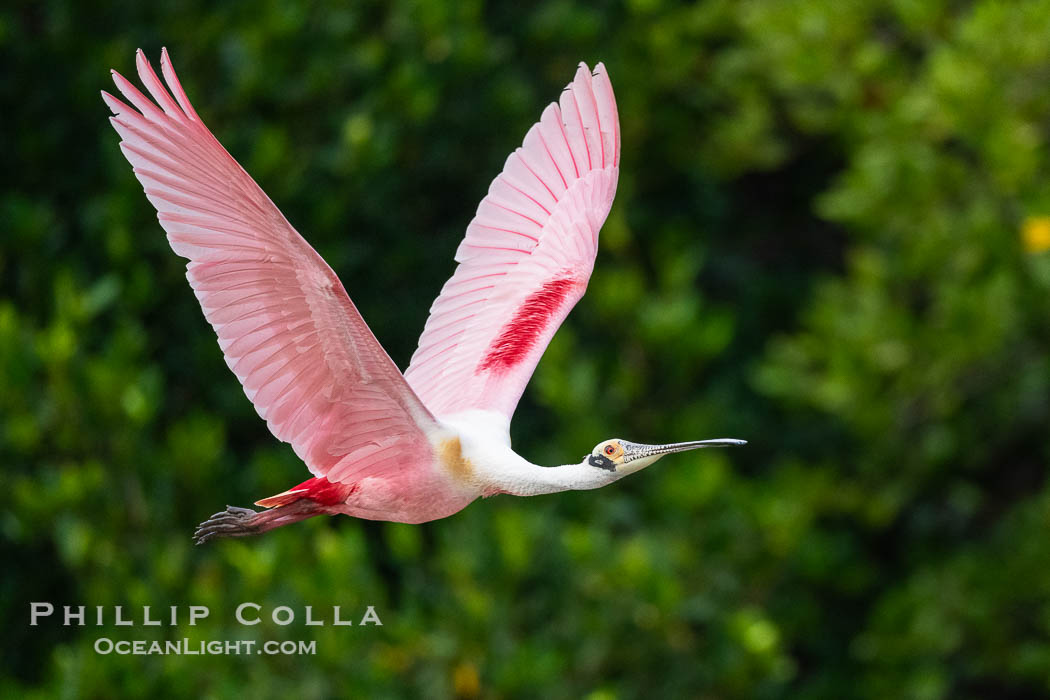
(318, 489)
(520, 334)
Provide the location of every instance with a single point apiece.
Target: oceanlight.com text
(214, 647)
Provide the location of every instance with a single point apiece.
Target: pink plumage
(381, 445)
(526, 258)
(288, 330)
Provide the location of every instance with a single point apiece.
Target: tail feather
(318, 489)
(283, 498)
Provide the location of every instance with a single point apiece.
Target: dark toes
(232, 522)
(236, 510)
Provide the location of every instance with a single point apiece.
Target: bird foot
(232, 522)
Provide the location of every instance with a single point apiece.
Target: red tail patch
(318, 489)
(520, 334)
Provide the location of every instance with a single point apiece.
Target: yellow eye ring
(610, 450)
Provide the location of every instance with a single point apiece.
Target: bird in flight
(380, 444)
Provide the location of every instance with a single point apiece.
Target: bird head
(621, 457)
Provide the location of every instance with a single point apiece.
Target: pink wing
(526, 258)
(306, 358)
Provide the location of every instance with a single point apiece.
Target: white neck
(527, 479)
(486, 443)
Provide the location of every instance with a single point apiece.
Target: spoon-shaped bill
(637, 451)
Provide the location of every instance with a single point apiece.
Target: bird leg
(242, 522)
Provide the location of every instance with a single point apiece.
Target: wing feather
(288, 330)
(526, 257)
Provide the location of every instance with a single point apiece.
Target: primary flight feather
(382, 445)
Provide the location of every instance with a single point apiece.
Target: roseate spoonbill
(382, 445)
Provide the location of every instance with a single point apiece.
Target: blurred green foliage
(817, 245)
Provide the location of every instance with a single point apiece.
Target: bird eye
(610, 450)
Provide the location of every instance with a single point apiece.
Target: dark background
(829, 239)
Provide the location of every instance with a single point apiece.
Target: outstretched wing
(526, 258)
(306, 358)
